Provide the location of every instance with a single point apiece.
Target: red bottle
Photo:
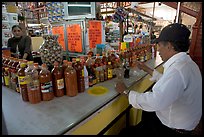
(70, 80)
(46, 83)
(57, 80)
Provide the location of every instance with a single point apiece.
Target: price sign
(74, 34)
(59, 30)
(95, 34)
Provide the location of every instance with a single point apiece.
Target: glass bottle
(14, 74)
(10, 63)
(33, 84)
(17, 68)
(22, 82)
(37, 67)
(80, 75)
(86, 75)
(46, 83)
(110, 70)
(57, 80)
(71, 80)
(6, 76)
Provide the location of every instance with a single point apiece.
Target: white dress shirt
(176, 97)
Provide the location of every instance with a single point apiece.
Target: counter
(61, 114)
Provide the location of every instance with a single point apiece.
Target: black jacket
(24, 45)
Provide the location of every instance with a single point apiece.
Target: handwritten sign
(74, 33)
(95, 34)
(59, 30)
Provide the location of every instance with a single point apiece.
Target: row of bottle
(89, 71)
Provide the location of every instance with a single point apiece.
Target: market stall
(70, 115)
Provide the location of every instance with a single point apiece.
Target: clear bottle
(33, 84)
(22, 82)
(57, 80)
(70, 80)
(17, 68)
(46, 83)
(14, 77)
(101, 73)
(86, 75)
(10, 63)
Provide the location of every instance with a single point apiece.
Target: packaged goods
(57, 80)
(46, 84)
(50, 50)
(71, 80)
(22, 82)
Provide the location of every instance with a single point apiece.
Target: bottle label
(110, 73)
(6, 78)
(33, 85)
(46, 87)
(82, 73)
(60, 84)
(22, 80)
(13, 77)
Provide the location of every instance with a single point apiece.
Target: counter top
(59, 115)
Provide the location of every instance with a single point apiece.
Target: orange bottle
(46, 83)
(80, 75)
(57, 80)
(70, 80)
(33, 84)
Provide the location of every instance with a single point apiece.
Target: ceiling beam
(182, 8)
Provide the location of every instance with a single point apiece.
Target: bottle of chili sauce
(45, 78)
(57, 80)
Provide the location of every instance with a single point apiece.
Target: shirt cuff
(155, 76)
(132, 99)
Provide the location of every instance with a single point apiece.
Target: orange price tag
(95, 34)
(74, 38)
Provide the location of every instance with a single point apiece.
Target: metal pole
(177, 12)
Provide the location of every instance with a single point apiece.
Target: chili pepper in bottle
(46, 83)
(57, 80)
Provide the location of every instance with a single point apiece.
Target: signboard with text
(74, 36)
(95, 33)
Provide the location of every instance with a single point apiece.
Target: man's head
(17, 31)
(173, 38)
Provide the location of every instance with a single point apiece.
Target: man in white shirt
(176, 97)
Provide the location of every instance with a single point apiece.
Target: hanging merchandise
(120, 15)
(50, 50)
(55, 11)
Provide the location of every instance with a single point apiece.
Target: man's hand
(120, 87)
(144, 67)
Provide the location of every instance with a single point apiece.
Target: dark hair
(14, 26)
(179, 46)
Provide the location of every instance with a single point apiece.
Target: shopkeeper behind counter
(20, 44)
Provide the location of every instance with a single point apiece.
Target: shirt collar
(174, 58)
